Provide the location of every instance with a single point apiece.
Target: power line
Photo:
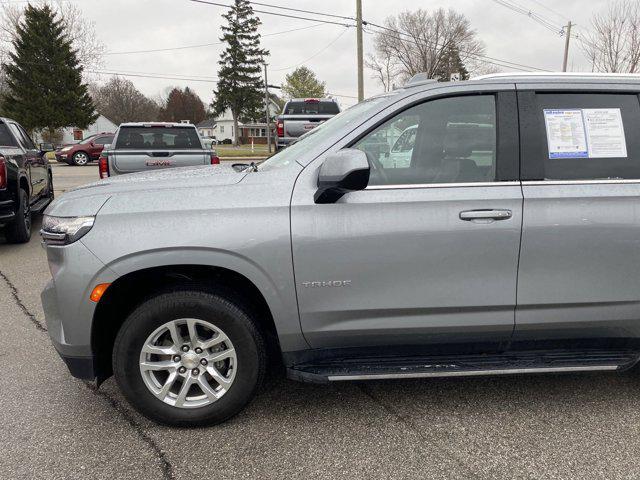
(545, 22)
(484, 58)
(184, 47)
(159, 76)
(555, 12)
(315, 54)
(302, 11)
(166, 77)
(206, 2)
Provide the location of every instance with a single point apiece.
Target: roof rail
(420, 79)
(557, 74)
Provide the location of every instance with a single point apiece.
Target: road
(54, 426)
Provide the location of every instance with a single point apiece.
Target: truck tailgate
(127, 161)
(297, 125)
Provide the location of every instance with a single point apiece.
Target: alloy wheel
(188, 363)
(80, 159)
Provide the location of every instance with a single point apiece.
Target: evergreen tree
(183, 105)
(451, 63)
(44, 76)
(303, 83)
(240, 86)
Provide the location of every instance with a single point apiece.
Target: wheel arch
(23, 183)
(135, 286)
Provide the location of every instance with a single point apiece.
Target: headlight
(65, 149)
(64, 230)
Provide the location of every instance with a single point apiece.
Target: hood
(88, 199)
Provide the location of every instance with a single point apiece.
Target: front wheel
(189, 358)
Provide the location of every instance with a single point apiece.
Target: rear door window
(22, 137)
(580, 136)
(158, 138)
(311, 107)
(6, 139)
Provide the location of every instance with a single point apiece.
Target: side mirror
(46, 147)
(342, 172)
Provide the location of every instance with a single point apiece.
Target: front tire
(189, 358)
(19, 230)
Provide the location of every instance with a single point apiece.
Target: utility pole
(360, 50)
(566, 47)
(266, 107)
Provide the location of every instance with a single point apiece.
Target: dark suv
(85, 150)
(26, 183)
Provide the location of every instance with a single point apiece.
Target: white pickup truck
(301, 115)
(139, 147)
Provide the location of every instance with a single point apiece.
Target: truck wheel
(19, 231)
(80, 159)
(189, 358)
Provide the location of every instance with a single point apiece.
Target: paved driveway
(53, 426)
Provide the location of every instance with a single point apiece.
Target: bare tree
(382, 70)
(419, 41)
(613, 45)
(82, 32)
(120, 101)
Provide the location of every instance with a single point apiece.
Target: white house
(221, 128)
(71, 134)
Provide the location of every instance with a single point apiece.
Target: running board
(40, 204)
(338, 370)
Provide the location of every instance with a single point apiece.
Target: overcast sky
(127, 25)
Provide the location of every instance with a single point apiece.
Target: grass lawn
(228, 151)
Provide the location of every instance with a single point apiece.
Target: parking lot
(54, 426)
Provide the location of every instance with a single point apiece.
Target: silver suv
(503, 239)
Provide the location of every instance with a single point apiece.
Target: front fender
(280, 299)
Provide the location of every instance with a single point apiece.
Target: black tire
(80, 159)
(19, 230)
(50, 188)
(218, 309)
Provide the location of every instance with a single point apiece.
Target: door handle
(470, 215)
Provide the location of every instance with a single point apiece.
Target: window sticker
(566, 134)
(586, 133)
(605, 133)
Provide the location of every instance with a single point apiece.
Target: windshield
(343, 121)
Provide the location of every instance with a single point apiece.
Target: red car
(85, 150)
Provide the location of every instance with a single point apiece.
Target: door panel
(399, 267)
(579, 275)
(580, 262)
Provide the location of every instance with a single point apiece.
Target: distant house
(255, 133)
(71, 134)
(206, 127)
(222, 128)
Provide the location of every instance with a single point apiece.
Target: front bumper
(61, 157)
(80, 367)
(68, 310)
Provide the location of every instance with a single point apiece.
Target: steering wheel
(377, 168)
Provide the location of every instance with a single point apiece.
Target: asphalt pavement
(53, 426)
